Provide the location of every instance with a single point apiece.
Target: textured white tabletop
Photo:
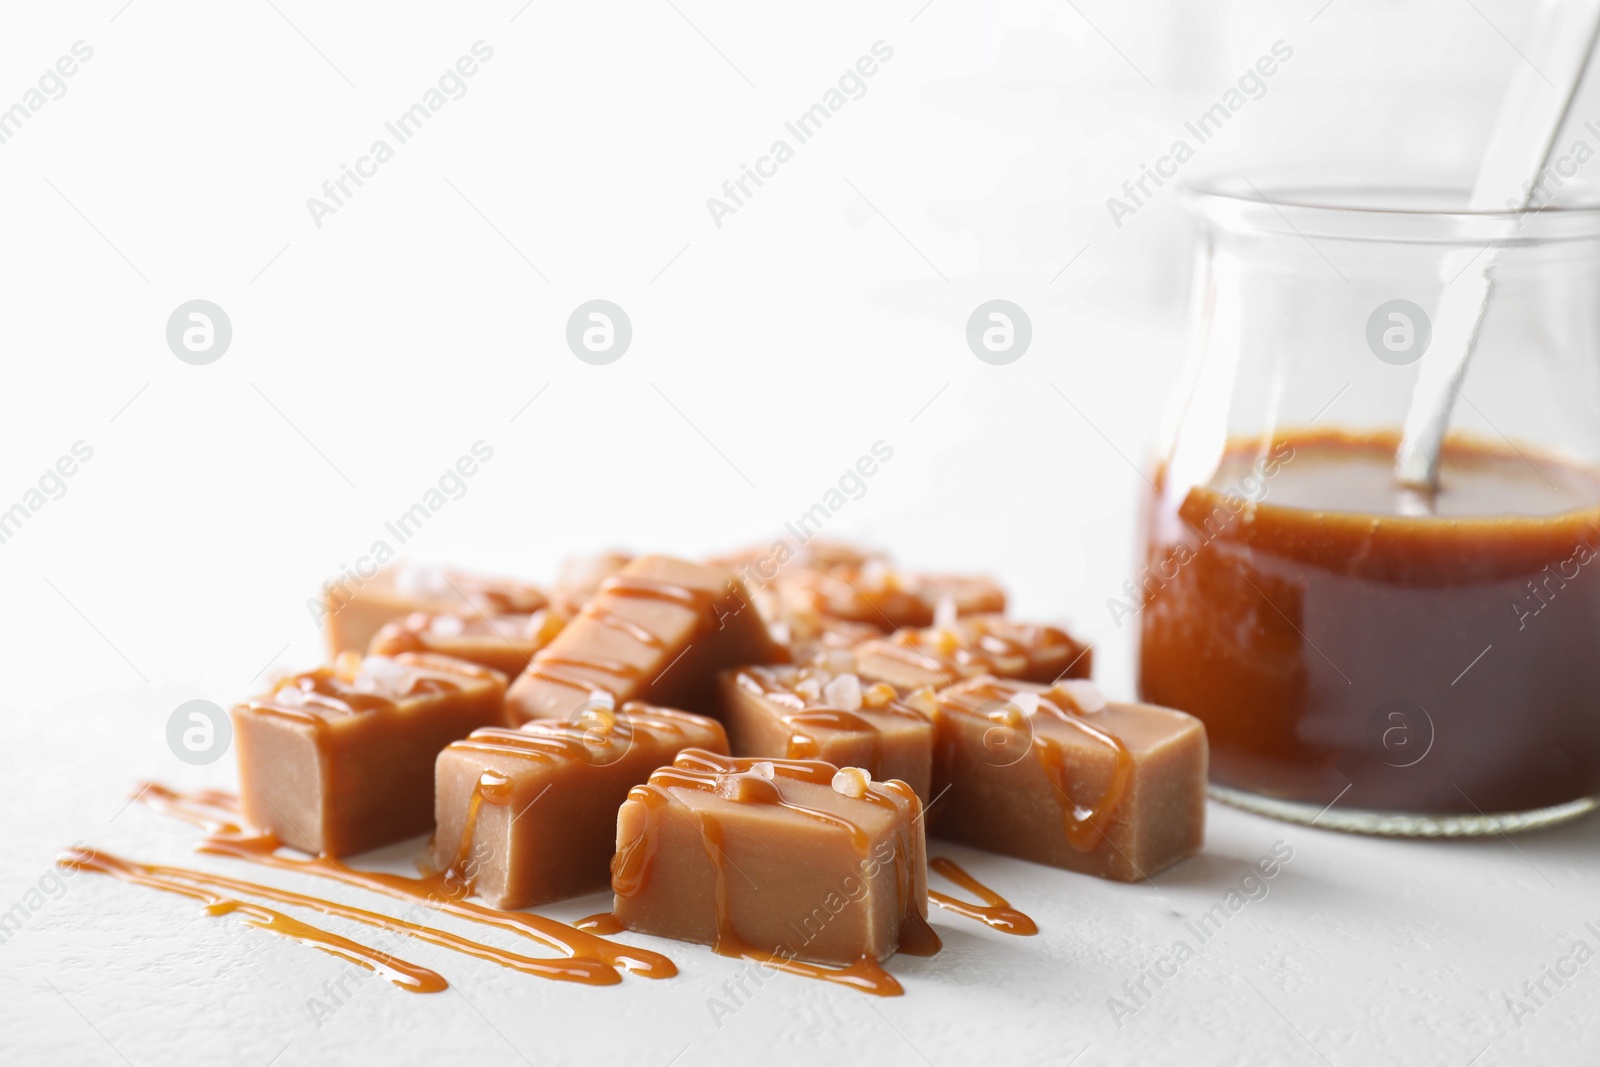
(771, 348)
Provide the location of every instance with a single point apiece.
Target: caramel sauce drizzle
(411, 977)
(736, 779)
(551, 740)
(507, 600)
(1081, 822)
(602, 923)
(403, 638)
(839, 591)
(612, 620)
(590, 958)
(492, 788)
(577, 969)
(777, 685)
(995, 911)
(330, 692)
(803, 724)
(853, 590)
(632, 585)
(551, 666)
(983, 645)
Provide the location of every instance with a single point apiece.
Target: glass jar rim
(1331, 208)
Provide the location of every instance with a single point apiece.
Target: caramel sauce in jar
(1344, 638)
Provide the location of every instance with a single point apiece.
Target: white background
(768, 354)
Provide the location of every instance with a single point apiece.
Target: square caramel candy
(1056, 775)
(758, 567)
(340, 759)
(355, 612)
(529, 815)
(810, 637)
(883, 596)
(812, 713)
(657, 631)
(786, 859)
(505, 643)
(819, 643)
(966, 648)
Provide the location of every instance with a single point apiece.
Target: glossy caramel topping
(755, 782)
(552, 666)
(813, 637)
(815, 687)
(1012, 706)
(597, 736)
(356, 684)
(980, 644)
(490, 788)
(590, 957)
(824, 701)
(995, 911)
(599, 613)
(875, 593)
(603, 923)
(560, 670)
(633, 585)
(695, 768)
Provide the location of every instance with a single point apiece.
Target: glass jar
(1365, 656)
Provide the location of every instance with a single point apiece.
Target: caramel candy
(879, 595)
(355, 615)
(785, 859)
(794, 621)
(505, 643)
(657, 631)
(1056, 775)
(528, 816)
(812, 713)
(966, 648)
(807, 635)
(340, 759)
